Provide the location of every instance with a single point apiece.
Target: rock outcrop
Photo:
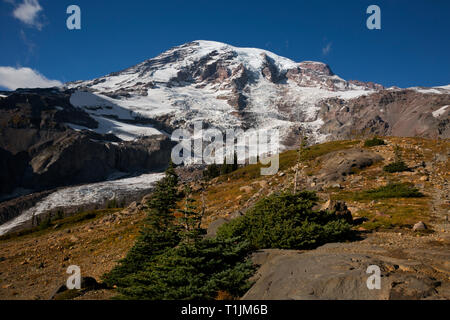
(339, 164)
(39, 151)
(339, 272)
(402, 113)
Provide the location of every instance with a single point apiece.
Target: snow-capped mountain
(221, 85)
(120, 124)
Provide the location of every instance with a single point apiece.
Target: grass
(401, 214)
(391, 190)
(382, 212)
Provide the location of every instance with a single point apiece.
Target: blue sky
(411, 49)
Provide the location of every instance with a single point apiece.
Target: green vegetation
(374, 142)
(214, 170)
(402, 213)
(289, 158)
(157, 235)
(392, 190)
(114, 204)
(198, 270)
(398, 166)
(46, 223)
(172, 260)
(287, 221)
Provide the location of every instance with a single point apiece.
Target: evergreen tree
(229, 167)
(172, 260)
(287, 221)
(197, 268)
(194, 270)
(158, 232)
(190, 220)
(235, 165)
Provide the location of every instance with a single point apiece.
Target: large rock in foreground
(338, 272)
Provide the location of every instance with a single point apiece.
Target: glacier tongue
(79, 196)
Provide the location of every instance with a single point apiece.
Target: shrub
(397, 166)
(374, 142)
(287, 221)
(391, 190)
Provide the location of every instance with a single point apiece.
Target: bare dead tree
(303, 144)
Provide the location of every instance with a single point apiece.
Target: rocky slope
(401, 113)
(414, 264)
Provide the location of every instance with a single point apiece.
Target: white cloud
(13, 78)
(28, 12)
(326, 50)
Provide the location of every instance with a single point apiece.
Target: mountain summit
(230, 87)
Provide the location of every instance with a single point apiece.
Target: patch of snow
(440, 111)
(447, 87)
(352, 94)
(96, 193)
(435, 90)
(125, 131)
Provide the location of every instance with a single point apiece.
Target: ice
(96, 193)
